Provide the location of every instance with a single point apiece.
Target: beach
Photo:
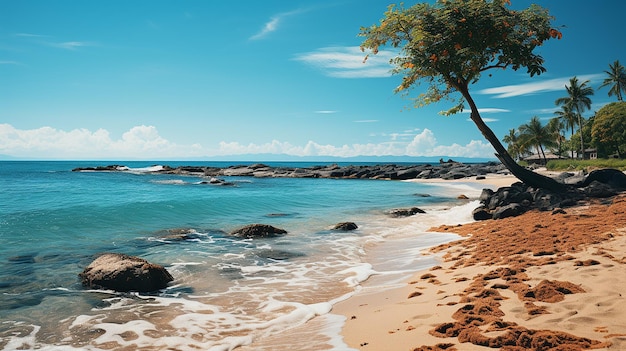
(539, 281)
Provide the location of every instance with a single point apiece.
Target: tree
(451, 43)
(578, 100)
(534, 134)
(569, 119)
(609, 127)
(555, 126)
(616, 79)
(514, 146)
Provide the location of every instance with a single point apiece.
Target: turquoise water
(227, 292)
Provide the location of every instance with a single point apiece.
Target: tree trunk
(526, 176)
(580, 130)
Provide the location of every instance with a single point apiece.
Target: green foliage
(609, 127)
(587, 165)
(450, 43)
(616, 80)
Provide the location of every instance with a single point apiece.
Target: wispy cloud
(536, 87)
(366, 121)
(273, 23)
(326, 112)
(9, 63)
(348, 62)
(71, 45)
(30, 35)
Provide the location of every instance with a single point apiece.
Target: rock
(614, 178)
(124, 273)
(345, 226)
(510, 210)
(258, 231)
(405, 212)
(599, 190)
(462, 197)
(180, 234)
(481, 213)
(278, 255)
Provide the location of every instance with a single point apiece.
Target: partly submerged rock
(405, 212)
(258, 231)
(124, 273)
(345, 226)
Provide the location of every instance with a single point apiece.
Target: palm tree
(554, 126)
(569, 119)
(616, 78)
(579, 101)
(535, 134)
(514, 147)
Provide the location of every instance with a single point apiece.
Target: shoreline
(566, 288)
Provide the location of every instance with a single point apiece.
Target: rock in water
(124, 273)
(258, 231)
(345, 226)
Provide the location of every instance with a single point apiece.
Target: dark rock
(278, 255)
(124, 273)
(405, 212)
(614, 178)
(345, 226)
(258, 231)
(510, 210)
(405, 174)
(599, 190)
(481, 213)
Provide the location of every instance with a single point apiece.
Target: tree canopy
(450, 43)
(609, 127)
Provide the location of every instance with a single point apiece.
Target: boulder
(614, 178)
(345, 226)
(258, 231)
(405, 212)
(510, 210)
(124, 273)
(481, 213)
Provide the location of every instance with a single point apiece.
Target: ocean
(228, 293)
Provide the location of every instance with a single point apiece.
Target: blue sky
(201, 79)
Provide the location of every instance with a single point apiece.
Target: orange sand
(540, 281)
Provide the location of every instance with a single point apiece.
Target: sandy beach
(540, 281)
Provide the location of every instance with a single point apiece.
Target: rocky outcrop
(124, 273)
(519, 198)
(345, 226)
(254, 231)
(444, 170)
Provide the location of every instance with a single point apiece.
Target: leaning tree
(450, 43)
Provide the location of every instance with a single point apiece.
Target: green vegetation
(587, 165)
(604, 134)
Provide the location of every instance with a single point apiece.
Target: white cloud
(422, 144)
(349, 62)
(325, 112)
(536, 87)
(145, 142)
(47, 142)
(272, 24)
